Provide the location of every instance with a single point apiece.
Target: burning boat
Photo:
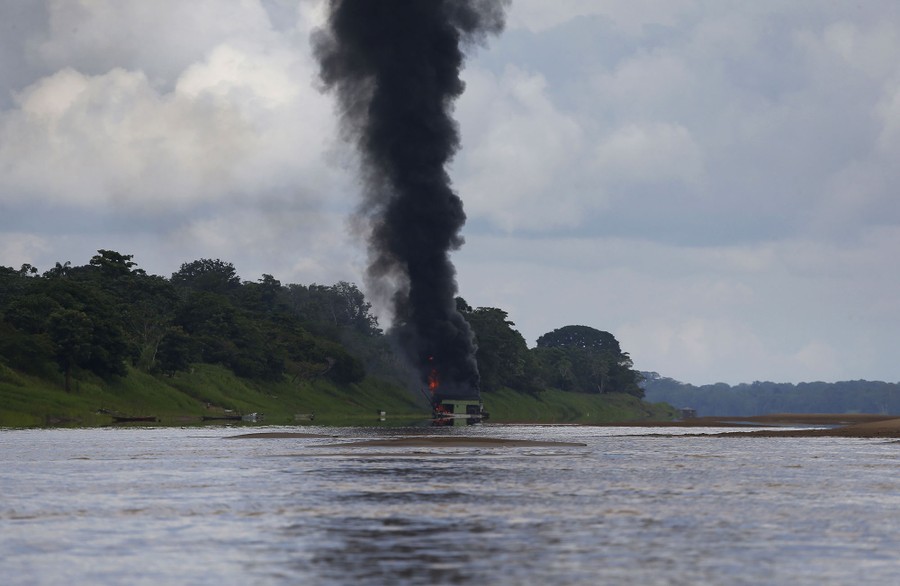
(457, 411)
(454, 408)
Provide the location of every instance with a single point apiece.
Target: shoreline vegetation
(106, 343)
(212, 394)
(212, 391)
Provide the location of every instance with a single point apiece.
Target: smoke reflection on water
(182, 506)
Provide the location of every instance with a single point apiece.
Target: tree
(27, 352)
(587, 360)
(208, 275)
(29, 313)
(174, 352)
(59, 271)
(332, 310)
(554, 367)
(27, 270)
(228, 335)
(263, 297)
(94, 317)
(71, 332)
(113, 265)
(109, 348)
(503, 358)
(147, 315)
(349, 308)
(583, 337)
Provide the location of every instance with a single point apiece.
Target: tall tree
(503, 358)
(113, 264)
(583, 337)
(208, 275)
(588, 360)
(71, 332)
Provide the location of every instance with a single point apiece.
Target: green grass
(554, 406)
(210, 390)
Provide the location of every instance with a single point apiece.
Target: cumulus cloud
(148, 118)
(770, 311)
(653, 153)
(630, 15)
(694, 123)
(18, 248)
(243, 120)
(518, 146)
(161, 38)
(112, 139)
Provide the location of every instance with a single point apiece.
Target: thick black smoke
(395, 67)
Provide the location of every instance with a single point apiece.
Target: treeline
(762, 398)
(100, 317)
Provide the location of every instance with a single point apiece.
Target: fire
(433, 382)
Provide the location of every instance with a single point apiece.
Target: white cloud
(888, 112)
(111, 138)
(183, 129)
(774, 311)
(161, 38)
(231, 74)
(18, 248)
(650, 153)
(519, 150)
(648, 84)
(863, 47)
(628, 14)
(297, 246)
(240, 123)
(703, 351)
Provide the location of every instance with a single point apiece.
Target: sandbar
(876, 428)
(453, 442)
(279, 435)
(860, 425)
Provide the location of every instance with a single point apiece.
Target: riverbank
(554, 406)
(208, 393)
(213, 394)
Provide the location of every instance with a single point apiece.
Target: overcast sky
(712, 181)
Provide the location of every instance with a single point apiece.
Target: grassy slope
(553, 406)
(27, 401)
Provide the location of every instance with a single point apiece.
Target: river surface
(188, 506)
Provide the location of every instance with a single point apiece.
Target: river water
(187, 506)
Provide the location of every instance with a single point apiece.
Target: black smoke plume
(395, 66)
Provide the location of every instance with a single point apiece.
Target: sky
(712, 181)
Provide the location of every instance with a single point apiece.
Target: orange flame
(433, 382)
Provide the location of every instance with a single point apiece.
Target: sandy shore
(839, 425)
(279, 435)
(863, 427)
(451, 442)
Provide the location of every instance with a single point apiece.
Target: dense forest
(97, 318)
(762, 398)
